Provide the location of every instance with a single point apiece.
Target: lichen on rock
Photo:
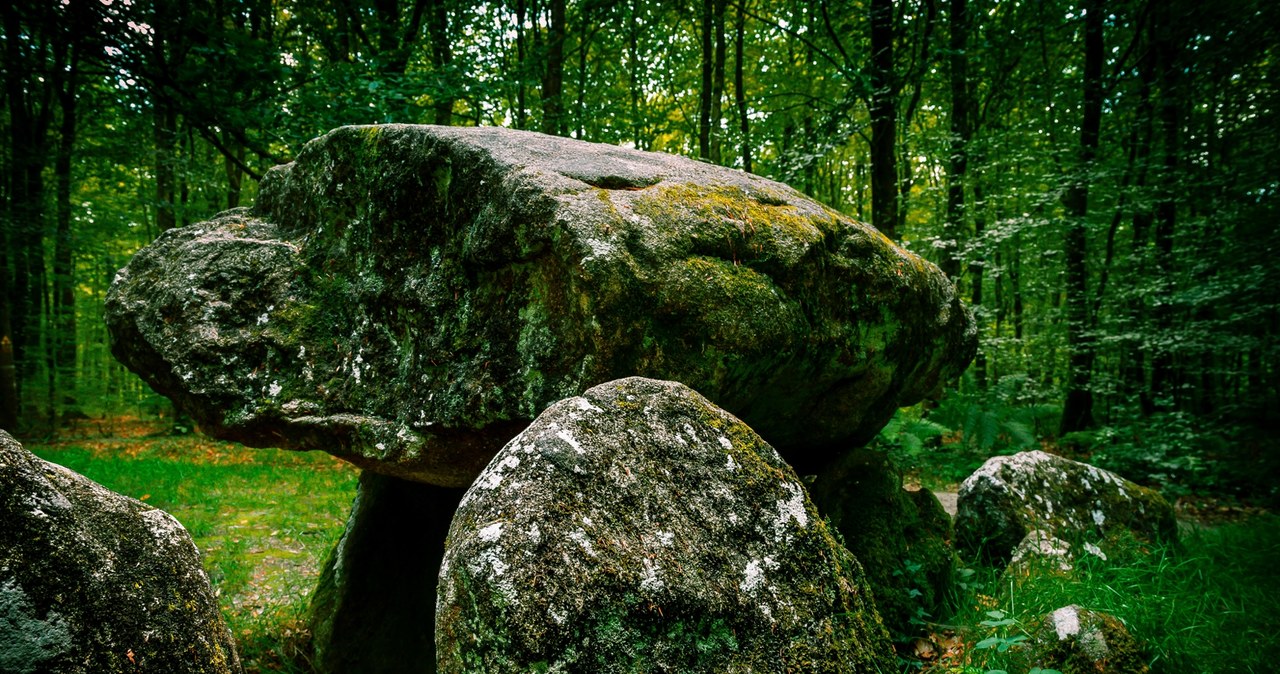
(94, 581)
(640, 528)
(1011, 496)
(410, 297)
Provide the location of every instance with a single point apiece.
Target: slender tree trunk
(884, 121)
(708, 74)
(717, 84)
(166, 132)
(235, 175)
(64, 300)
(1077, 409)
(553, 82)
(442, 60)
(739, 88)
(521, 112)
(958, 160)
(1163, 376)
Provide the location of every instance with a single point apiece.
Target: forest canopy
(1099, 178)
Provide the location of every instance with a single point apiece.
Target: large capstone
(640, 528)
(1012, 496)
(93, 581)
(410, 297)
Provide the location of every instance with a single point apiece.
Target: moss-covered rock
(95, 582)
(1011, 496)
(1073, 640)
(639, 528)
(902, 538)
(410, 297)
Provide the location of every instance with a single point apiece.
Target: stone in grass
(93, 581)
(1010, 496)
(902, 538)
(640, 528)
(1074, 640)
(410, 297)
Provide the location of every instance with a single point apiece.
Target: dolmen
(411, 298)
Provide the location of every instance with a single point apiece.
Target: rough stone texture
(373, 610)
(1009, 496)
(902, 538)
(1073, 640)
(640, 528)
(410, 297)
(92, 581)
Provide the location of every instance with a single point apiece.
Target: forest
(1098, 178)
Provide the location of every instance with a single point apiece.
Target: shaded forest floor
(266, 519)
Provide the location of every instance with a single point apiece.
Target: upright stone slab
(902, 538)
(1011, 496)
(639, 528)
(410, 297)
(373, 610)
(92, 581)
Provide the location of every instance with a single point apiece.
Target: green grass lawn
(264, 519)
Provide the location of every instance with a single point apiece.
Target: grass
(264, 520)
(1210, 605)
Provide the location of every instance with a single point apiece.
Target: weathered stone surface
(1009, 496)
(902, 538)
(1073, 640)
(373, 610)
(92, 581)
(639, 528)
(410, 297)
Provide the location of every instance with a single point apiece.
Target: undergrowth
(1208, 605)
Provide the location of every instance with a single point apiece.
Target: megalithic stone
(410, 297)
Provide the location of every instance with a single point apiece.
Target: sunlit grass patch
(263, 520)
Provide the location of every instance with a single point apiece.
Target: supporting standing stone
(374, 608)
(639, 528)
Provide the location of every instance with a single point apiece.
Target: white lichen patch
(728, 446)
(274, 388)
(165, 528)
(752, 577)
(1066, 622)
(649, 580)
(1098, 517)
(729, 463)
(1095, 551)
(491, 533)
(791, 508)
(580, 537)
(568, 437)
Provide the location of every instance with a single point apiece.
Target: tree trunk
(958, 160)
(553, 81)
(521, 112)
(1163, 377)
(884, 121)
(64, 299)
(1077, 409)
(442, 60)
(717, 84)
(166, 132)
(708, 74)
(739, 88)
